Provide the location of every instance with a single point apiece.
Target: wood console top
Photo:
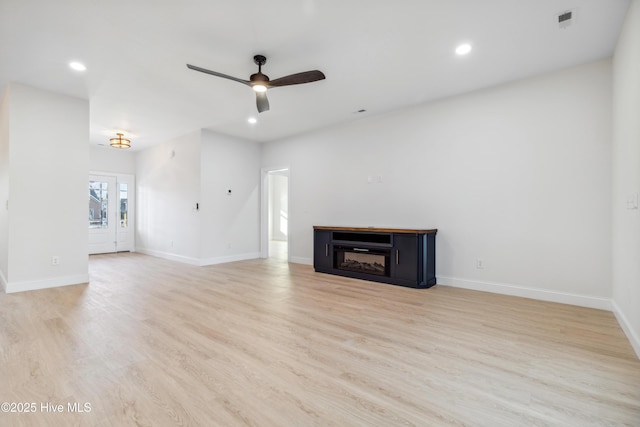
(374, 229)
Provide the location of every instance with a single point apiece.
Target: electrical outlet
(479, 263)
(55, 260)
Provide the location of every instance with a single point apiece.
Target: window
(124, 206)
(98, 204)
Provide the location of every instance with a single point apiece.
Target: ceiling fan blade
(215, 73)
(262, 102)
(296, 79)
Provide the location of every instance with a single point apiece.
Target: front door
(110, 216)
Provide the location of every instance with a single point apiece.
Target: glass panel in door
(124, 206)
(98, 204)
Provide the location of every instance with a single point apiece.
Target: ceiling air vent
(565, 19)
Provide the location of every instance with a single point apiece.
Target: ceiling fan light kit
(260, 82)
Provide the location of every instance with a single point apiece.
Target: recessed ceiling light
(463, 49)
(77, 66)
(252, 120)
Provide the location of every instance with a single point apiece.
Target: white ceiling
(377, 55)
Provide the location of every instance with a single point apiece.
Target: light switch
(632, 201)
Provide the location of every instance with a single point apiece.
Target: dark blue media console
(404, 257)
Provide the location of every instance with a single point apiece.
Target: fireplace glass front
(369, 261)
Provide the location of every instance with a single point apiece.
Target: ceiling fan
(260, 82)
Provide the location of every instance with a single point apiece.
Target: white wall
(167, 189)
(518, 175)
(204, 166)
(107, 159)
(626, 176)
(230, 222)
(48, 158)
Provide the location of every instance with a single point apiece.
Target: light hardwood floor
(265, 343)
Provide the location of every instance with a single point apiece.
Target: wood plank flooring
(151, 342)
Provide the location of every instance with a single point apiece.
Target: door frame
(264, 210)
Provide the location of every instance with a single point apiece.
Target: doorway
(275, 214)
(111, 213)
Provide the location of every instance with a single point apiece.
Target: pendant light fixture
(120, 142)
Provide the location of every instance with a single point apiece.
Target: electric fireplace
(370, 261)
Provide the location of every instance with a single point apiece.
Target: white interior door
(111, 201)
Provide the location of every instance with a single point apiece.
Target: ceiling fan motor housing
(259, 78)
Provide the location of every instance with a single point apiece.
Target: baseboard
(169, 256)
(632, 335)
(521, 291)
(198, 261)
(32, 285)
(301, 260)
(229, 258)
